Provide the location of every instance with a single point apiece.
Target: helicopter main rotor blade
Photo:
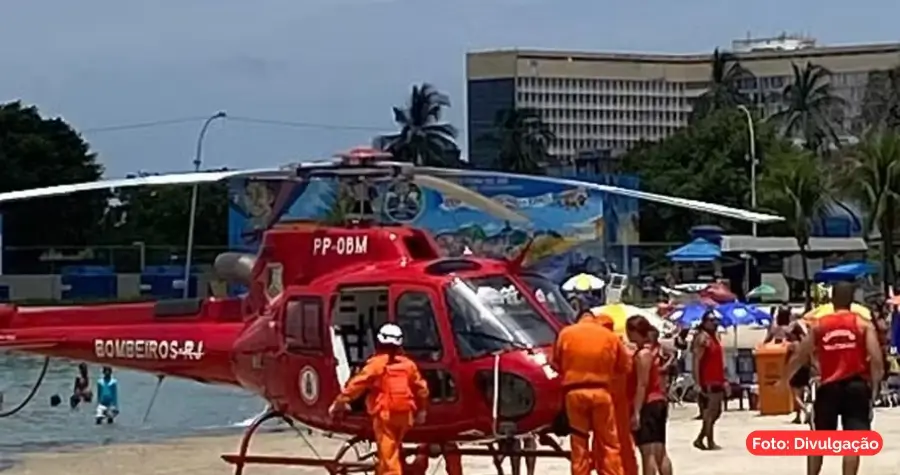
(151, 180)
(712, 208)
(469, 197)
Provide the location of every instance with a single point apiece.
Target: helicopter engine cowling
(235, 267)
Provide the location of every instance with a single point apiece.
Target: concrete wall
(40, 287)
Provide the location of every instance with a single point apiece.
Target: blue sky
(101, 63)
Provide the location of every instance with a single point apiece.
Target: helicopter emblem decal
(309, 385)
(403, 202)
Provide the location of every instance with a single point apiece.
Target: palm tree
(724, 88)
(798, 190)
(873, 178)
(811, 105)
(424, 138)
(522, 139)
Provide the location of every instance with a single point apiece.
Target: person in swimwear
(801, 379)
(81, 390)
(107, 397)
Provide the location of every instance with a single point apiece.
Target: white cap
(390, 334)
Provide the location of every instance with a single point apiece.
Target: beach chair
(679, 388)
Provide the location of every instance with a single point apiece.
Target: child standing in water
(107, 397)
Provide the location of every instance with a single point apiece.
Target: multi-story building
(611, 101)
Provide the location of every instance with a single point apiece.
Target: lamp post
(752, 157)
(193, 214)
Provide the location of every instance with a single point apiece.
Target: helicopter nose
(514, 400)
(529, 396)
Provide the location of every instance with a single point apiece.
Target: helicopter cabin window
(414, 314)
(357, 314)
(303, 324)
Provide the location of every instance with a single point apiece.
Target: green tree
(521, 139)
(872, 178)
(424, 138)
(705, 161)
(160, 216)
(797, 189)
(38, 152)
(724, 86)
(811, 108)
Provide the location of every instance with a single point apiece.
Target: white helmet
(390, 334)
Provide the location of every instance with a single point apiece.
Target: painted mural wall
(568, 223)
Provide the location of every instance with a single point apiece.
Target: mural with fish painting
(562, 218)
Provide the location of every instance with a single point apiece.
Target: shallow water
(182, 408)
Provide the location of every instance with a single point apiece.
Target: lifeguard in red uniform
(850, 364)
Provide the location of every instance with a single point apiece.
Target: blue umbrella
(690, 316)
(743, 314)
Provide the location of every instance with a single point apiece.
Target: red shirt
(712, 363)
(840, 347)
(655, 388)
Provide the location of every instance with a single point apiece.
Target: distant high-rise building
(611, 101)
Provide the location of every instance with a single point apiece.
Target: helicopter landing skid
(335, 465)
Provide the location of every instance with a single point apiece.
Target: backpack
(394, 391)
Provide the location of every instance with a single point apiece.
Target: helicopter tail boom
(136, 336)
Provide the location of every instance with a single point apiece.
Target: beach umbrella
(690, 315)
(583, 283)
(743, 314)
(764, 290)
(692, 288)
(620, 313)
(718, 292)
(828, 308)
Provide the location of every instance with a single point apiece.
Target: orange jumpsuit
(390, 421)
(589, 356)
(452, 460)
(623, 395)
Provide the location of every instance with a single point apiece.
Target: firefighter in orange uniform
(397, 397)
(452, 459)
(623, 394)
(589, 357)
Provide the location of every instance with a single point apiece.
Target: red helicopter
(478, 328)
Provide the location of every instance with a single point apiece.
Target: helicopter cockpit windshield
(489, 314)
(548, 293)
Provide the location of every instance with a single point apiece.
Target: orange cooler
(774, 399)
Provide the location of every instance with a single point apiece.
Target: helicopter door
(415, 310)
(306, 352)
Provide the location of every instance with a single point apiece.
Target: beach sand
(200, 456)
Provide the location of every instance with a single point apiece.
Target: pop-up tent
(698, 250)
(845, 272)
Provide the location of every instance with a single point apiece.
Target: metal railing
(27, 260)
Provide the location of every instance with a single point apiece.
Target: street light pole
(198, 155)
(752, 159)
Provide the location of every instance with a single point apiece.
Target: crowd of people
(615, 390)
